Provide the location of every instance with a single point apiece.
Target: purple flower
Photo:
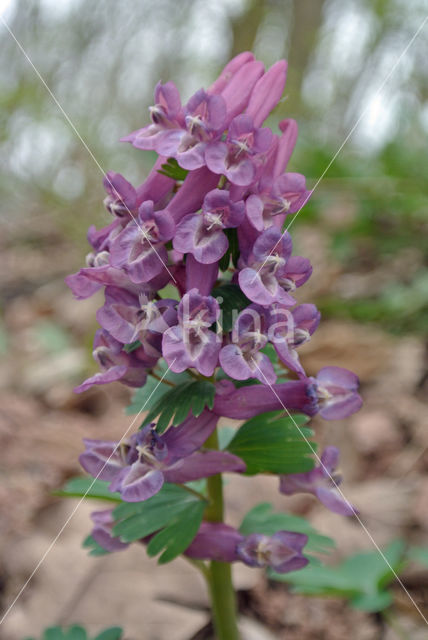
(238, 91)
(243, 358)
(287, 194)
(204, 120)
(202, 234)
(272, 273)
(267, 92)
(281, 552)
(128, 317)
(215, 541)
(89, 280)
(321, 482)
(191, 343)
(250, 401)
(232, 67)
(121, 200)
(337, 393)
(138, 468)
(285, 146)
(191, 194)
(165, 115)
(200, 276)
(116, 364)
(139, 249)
(102, 531)
(289, 329)
(235, 158)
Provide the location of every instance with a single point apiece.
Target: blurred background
(364, 231)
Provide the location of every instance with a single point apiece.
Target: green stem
(223, 597)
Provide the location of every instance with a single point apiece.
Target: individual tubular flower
(202, 234)
(215, 541)
(128, 317)
(230, 70)
(191, 343)
(272, 272)
(204, 121)
(116, 364)
(288, 329)
(252, 400)
(87, 281)
(322, 482)
(121, 200)
(243, 358)
(102, 531)
(236, 157)
(165, 115)
(286, 195)
(281, 552)
(267, 92)
(138, 249)
(200, 276)
(138, 468)
(337, 393)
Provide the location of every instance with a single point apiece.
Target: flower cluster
(221, 224)
(210, 213)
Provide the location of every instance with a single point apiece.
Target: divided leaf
(154, 390)
(272, 443)
(176, 403)
(174, 514)
(171, 169)
(94, 549)
(177, 536)
(262, 519)
(112, 633)
(85, 486)
(76, 632)
(233, 300)
(362, 578)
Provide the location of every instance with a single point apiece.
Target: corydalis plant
(200, 316)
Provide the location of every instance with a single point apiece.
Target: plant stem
(223, 597)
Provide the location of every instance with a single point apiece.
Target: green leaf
(94, 548)
(173, 512)
(233, 300)
(232, 250)
(175, 404)
(53, 633)
(154, 390)
(419, 555)
(362, 578)
(172, 169)
(88, 487)
(132, 346)
(176, 537)
(261, 519)
(272, 443)
(75, 633)
(112, 633)
(279, 368)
